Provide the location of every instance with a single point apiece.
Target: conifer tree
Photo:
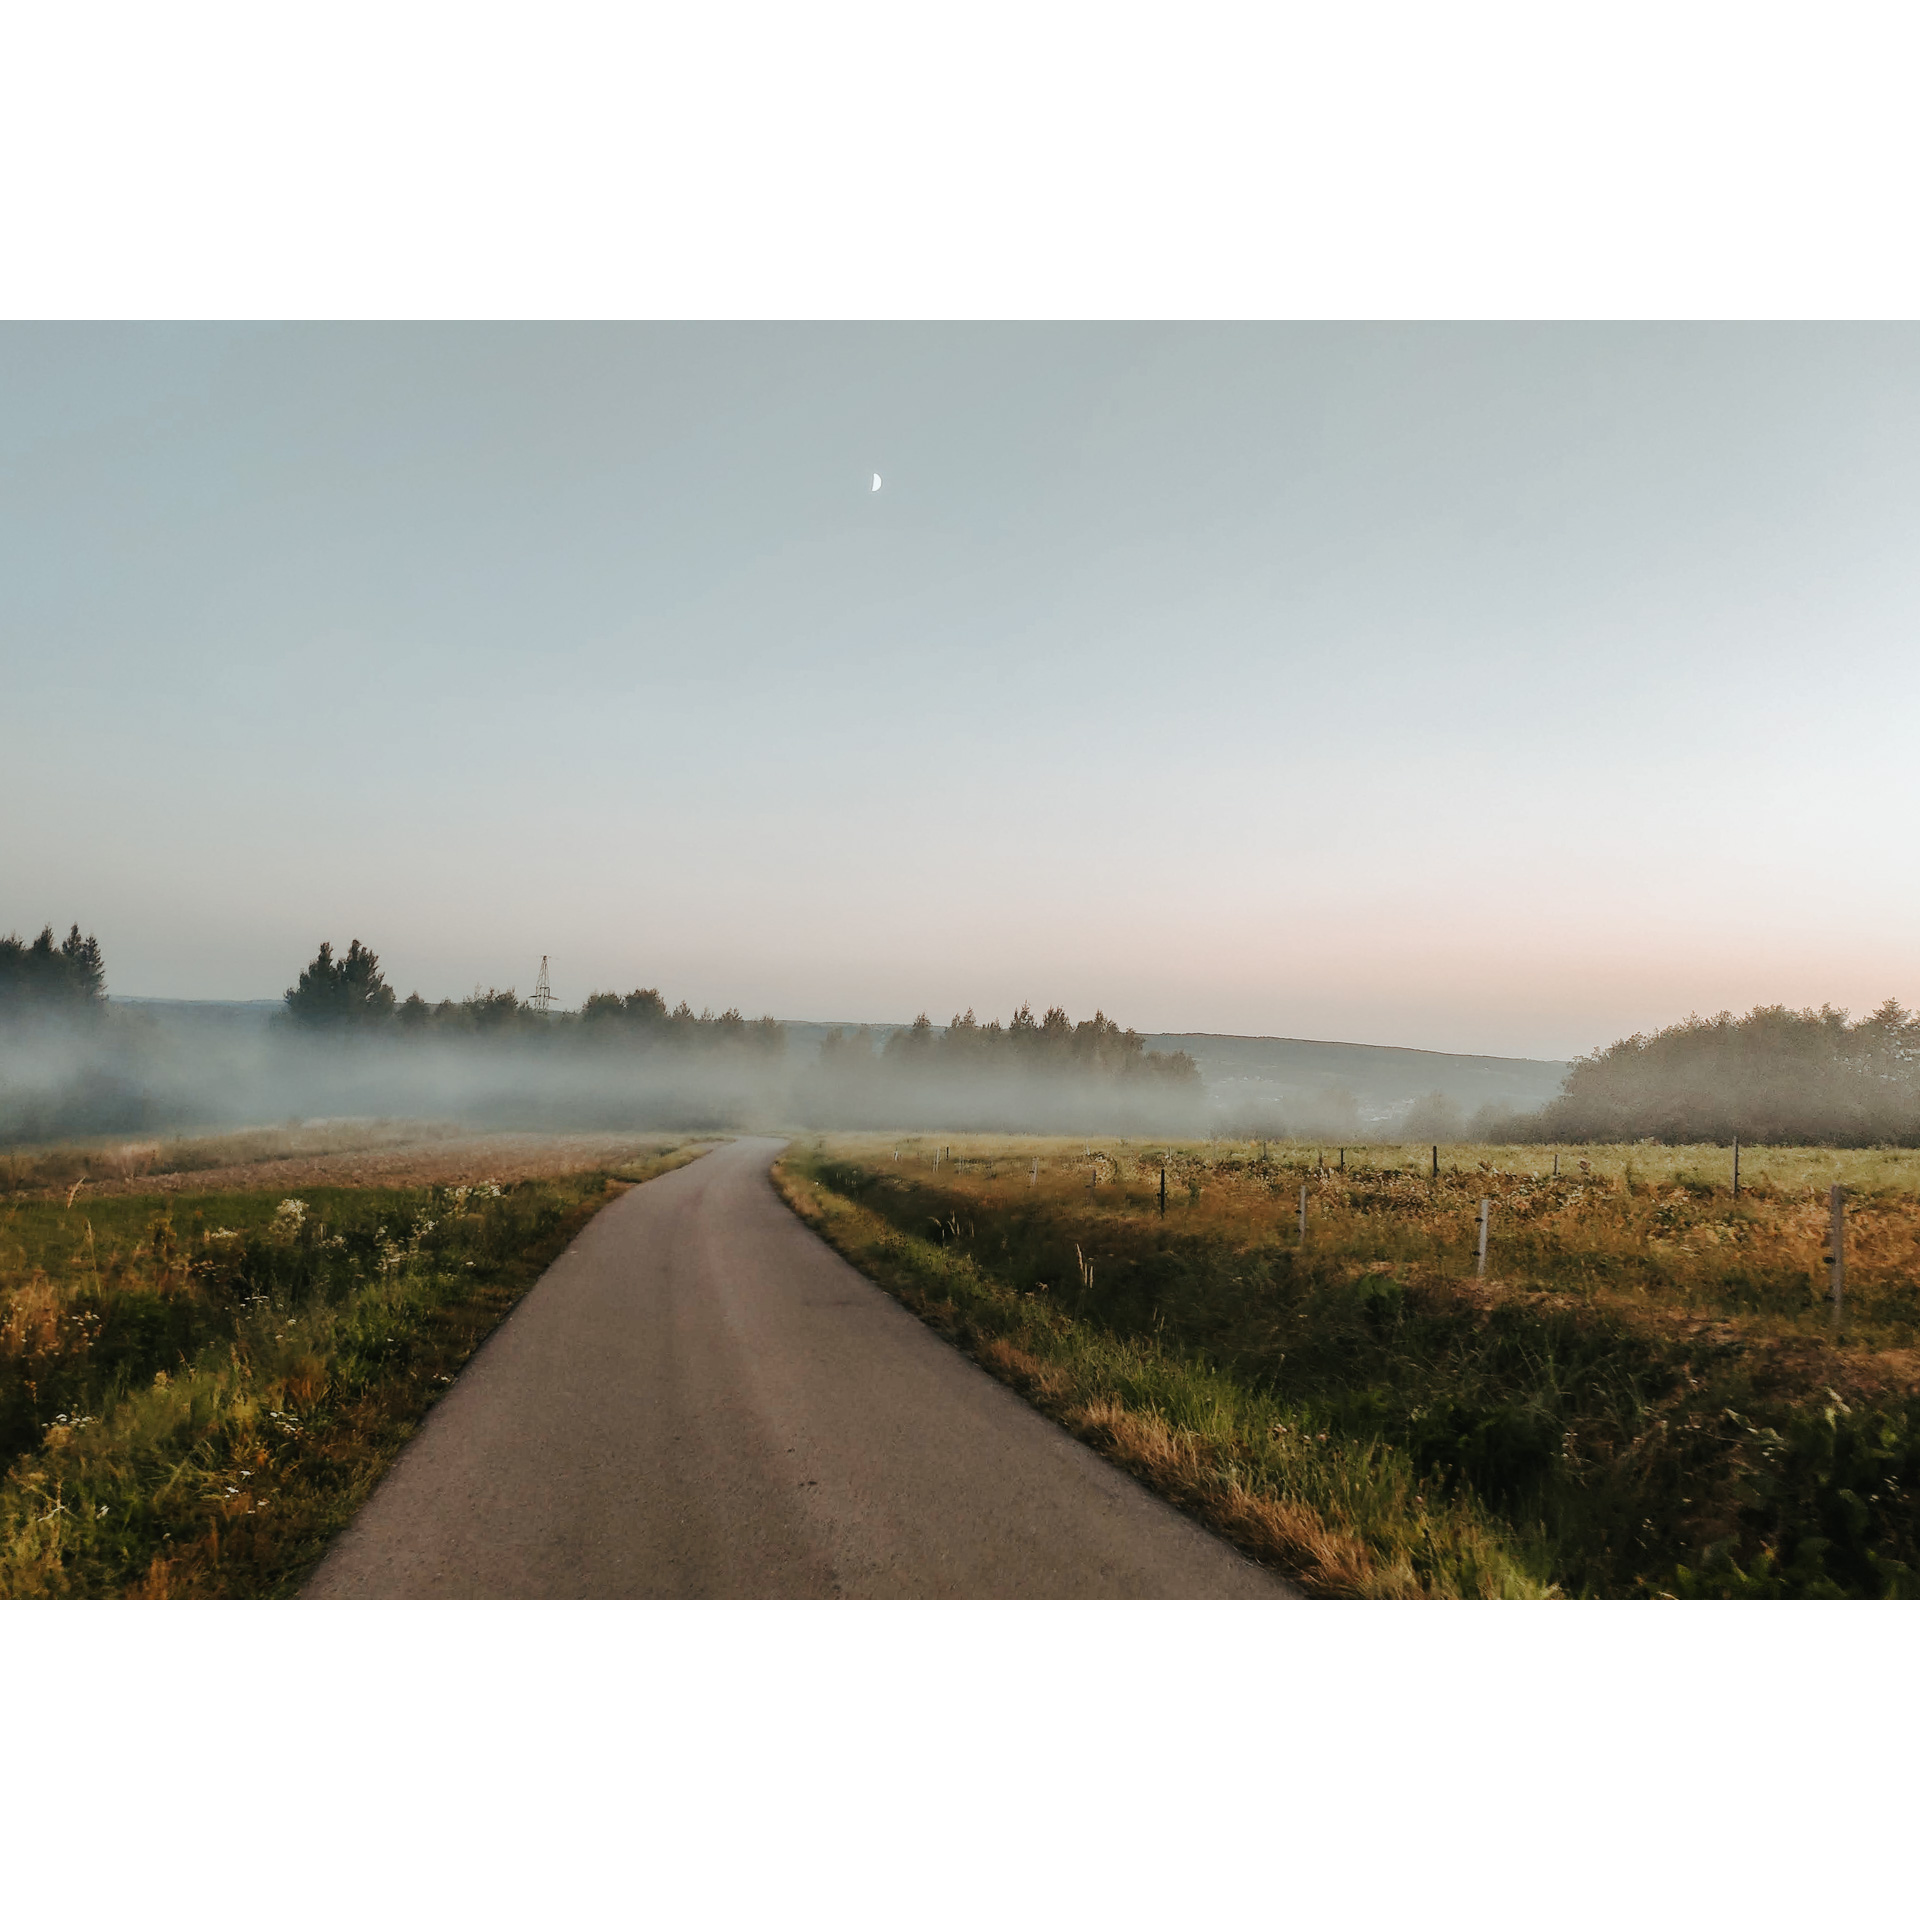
(347, 992)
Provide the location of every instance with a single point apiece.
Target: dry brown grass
(1339, 1520)
(1647, 1385)
(1281, 1533)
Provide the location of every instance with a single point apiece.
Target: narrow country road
(700, 1399)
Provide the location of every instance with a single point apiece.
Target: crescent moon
(876, 483)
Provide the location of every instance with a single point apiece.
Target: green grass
(1645, 1394)
(1342, 1513)
(198, 1391)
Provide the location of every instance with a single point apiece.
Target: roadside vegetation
(198, 1390)
(1644, 1394)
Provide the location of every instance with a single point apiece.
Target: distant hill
(1313, 1080)
(230, 1015)
(1255, 1082)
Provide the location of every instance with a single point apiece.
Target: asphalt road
(701, 1399)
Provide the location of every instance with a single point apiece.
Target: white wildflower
(288, 1218)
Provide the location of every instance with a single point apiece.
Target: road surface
(701, 1399)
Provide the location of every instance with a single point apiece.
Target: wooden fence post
(1837, 1258)
(1480, 1269)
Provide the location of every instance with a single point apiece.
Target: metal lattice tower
(542, 1000)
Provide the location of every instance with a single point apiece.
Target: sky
(1489, 688)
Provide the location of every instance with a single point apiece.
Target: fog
(627, 1061)
(1771, 1075)
(131, 1070)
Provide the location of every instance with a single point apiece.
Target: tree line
(348, 994)
(1051, 1042)
(38, 977)
(1772, 1075)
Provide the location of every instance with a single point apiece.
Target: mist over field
(138, 1070)
(341, 1044)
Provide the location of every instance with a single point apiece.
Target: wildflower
(288, 1218)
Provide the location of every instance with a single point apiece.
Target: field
(1645, 1393)
(206, 1367)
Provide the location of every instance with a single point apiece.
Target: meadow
(1646, 1392)
(198, 1388)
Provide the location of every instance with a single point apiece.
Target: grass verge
(1646, 1392)
(1343, 1516)
(198, 1393)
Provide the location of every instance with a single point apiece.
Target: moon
(876, 483)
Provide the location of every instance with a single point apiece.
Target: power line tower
(542, 998)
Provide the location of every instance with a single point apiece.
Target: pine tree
(86, 970)
(347, 992)
(67, 979)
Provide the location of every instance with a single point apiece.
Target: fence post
(1436, 1163)
(1163, 1189)
(1736, 1166)
(1480, 1270)
(1837, 1258)
(1303, 1214)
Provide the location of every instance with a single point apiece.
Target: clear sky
(1493, 688)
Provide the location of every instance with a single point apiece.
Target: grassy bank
(197, 1391)
(1644, 1394)
(80, 1165)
